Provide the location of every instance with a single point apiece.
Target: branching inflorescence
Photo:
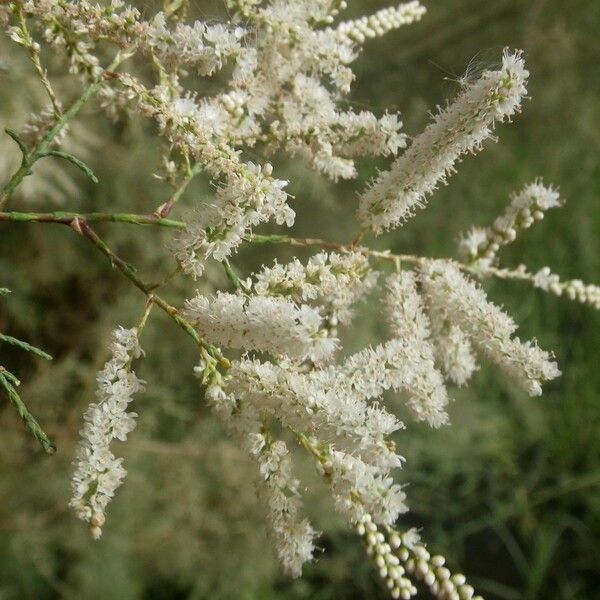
(290, 64)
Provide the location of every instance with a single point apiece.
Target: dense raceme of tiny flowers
(461, 127)
(489, 328)
(452, 348)
(98, 473)
(526, 206)
(403, 365)
(408, 322)
(386, 561)
(404, 308)
(215, 230)
(266, 323)
(359, 488)
(288, 72)
(279, 492)
(322, 403)
(323, 408)
(333, 281)
(277, 489)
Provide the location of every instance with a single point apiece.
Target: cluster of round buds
(384, 557)
(244, 7)
(526, 207)
(381, 22)
(399, 554)
(588, 293)
(574, 289)
(234, 104)
(336, 7)
(96, 523)
(431, 570)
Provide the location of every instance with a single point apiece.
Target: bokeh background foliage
(510, 492)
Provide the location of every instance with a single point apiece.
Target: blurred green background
(509, 493)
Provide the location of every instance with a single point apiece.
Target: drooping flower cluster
(277, 488)
(98, 473)
(279, 491)
(409, 323)
(332, 417)
(360, 489)
(326, 403)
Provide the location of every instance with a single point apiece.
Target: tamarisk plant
(289, 68)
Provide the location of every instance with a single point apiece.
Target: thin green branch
(285, 239)
(232, 275)
(83, 228)
(73, 160)
(166, 279)
(17, 139)
(304, 242)
(34, 54)
(475, 270)
(165, 209)
(79, 223)
(147, 310)
(67, 218)
(7, 381)
(24, 346)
